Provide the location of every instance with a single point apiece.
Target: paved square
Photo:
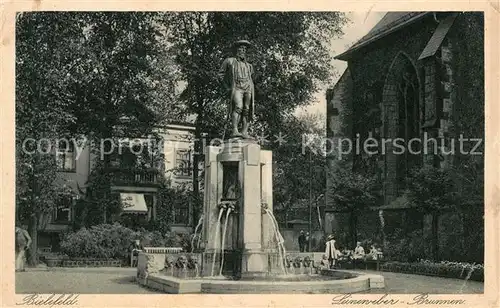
(81, 281)
(122, 281)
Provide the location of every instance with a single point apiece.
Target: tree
(294, 160)
(41, 112)
(124, 88)
(353, 193)
(431, 190)
(290, 55)
(81, 74)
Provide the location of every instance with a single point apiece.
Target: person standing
(331, 251)
(134, 249)
(302, 241)
(23, 243)
(308, 242)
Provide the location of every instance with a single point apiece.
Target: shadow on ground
(125, 280)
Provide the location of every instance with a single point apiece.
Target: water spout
(279, 239)
(224, 241)
(282, 241)
(217, 228)
(200, 221)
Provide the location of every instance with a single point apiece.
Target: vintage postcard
(250, 154)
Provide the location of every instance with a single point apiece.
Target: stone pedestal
(254, 263)
(208, 263)
(211, 197)
(266, 163)
(240, 173)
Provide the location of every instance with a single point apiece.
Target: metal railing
(134, 177)
(162, 249)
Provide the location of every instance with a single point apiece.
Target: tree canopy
(290, 54)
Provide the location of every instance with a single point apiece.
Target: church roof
(438, 37)
(389, 23)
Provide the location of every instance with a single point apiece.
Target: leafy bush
(461, 235)
(101, 241)
(150, 238)
(446, 269)
(178, 240)
(169, 198)
(114, 241)
(408, 248)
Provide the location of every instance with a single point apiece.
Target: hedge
(107, 241)
(443, 269)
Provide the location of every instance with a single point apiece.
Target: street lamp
(310, 202)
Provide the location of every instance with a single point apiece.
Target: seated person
(374, 253)
(348, 254)
(359, 252)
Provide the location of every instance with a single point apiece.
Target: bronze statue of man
(237, 79)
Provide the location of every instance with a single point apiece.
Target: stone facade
(339, 105)
(372, 89)
(424, 79)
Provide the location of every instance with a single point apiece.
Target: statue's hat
(242, 42)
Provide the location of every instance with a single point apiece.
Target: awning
(133, 203)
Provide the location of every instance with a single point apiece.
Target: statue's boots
(236, 134)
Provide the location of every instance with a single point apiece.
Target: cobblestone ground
(122, 281)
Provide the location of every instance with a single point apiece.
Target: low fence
(163, 250)
(81, 262)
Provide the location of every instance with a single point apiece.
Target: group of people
(332, 254)
(359, 256)
(359, 253)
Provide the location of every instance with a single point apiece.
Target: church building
(414, 76)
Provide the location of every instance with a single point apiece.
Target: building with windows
(136, 188)
(415, 75)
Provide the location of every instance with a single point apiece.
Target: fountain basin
(171, 285)
(151, 272)
(329, 281)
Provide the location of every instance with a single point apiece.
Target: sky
(361, 23)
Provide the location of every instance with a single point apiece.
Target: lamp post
(310, 202)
